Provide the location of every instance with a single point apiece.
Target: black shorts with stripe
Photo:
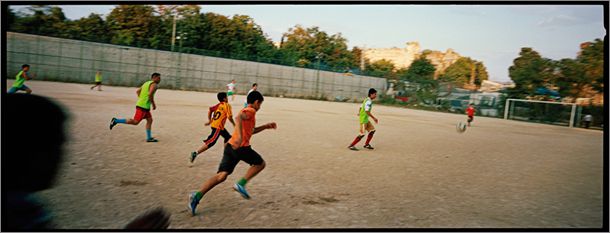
(211, 140)
(231, 157)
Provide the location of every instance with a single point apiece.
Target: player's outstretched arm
(24, 75)
(138, 91)
(271, 125)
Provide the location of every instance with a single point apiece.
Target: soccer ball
(460, 127)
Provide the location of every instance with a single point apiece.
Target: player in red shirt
(470, 111)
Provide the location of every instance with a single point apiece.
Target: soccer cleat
(112, 123)
(152, 140)
(193, 202)
(352, 148)
(241, 190)
(193, 156)
(368, 146)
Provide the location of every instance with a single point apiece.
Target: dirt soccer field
(422, 173)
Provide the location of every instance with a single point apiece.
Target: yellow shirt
(220, 115)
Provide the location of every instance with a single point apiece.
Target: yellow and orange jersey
(221, 112)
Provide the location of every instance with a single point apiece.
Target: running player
(365, 124)
(146, 98)
(238, 149)
(98, 81)
(254, 87)
(231, 89)
(470, 111)
(220, 113)
(20, 80)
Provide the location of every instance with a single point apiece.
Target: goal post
(548, 112)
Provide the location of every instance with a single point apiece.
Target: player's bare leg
(240, 186)
(207, 186)
(149, 137)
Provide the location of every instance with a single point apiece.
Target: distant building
(491, 86)
(403, 57)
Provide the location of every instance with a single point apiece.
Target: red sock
(356, 140)
(368, 138)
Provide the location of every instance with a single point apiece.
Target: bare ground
(421, 174)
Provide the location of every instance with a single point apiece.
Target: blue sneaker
(193, 202)
(112, 123)
(193, 156)
(241, 190)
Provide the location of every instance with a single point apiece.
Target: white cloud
(560, 20)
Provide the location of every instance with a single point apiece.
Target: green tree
(132, 25)
(460, 72)
(188, 25)
(421, 71)
(382, 68)
(91, 28)
(575, 76)
(480, 73)
(571, 78)
(45, 20)
(11, 17)
(312, 44)
(592, 58)
(529, 72)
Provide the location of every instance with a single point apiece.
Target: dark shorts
(470, 118)
(98, 83)
(211, 140)
(232, 157)
(142, 113)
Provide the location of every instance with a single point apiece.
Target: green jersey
(143, 101)
(19, 79)
(367, 106)
(98, 77)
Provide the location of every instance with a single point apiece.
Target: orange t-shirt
(247, 128)
(221, 112)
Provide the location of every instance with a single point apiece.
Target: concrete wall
(66, 60)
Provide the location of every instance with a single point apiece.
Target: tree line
(239, 37)
(581, 77)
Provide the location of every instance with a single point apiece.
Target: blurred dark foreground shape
(33, 134)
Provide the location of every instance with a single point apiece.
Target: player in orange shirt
(238, 149)
(220, 113)
(470, 111)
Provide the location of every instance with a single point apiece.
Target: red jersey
(470, 111)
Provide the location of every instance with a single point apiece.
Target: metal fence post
(506, 109)
(572, 115)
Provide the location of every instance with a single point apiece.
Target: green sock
(198, 195)
(242, 182)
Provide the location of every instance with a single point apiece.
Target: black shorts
(470, 118)
(232, 157)
(98, 83)
(211, 140)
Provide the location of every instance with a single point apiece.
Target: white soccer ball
(460, 127)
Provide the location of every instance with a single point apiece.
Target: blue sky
(493, 34)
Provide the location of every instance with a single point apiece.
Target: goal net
(547, 112)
